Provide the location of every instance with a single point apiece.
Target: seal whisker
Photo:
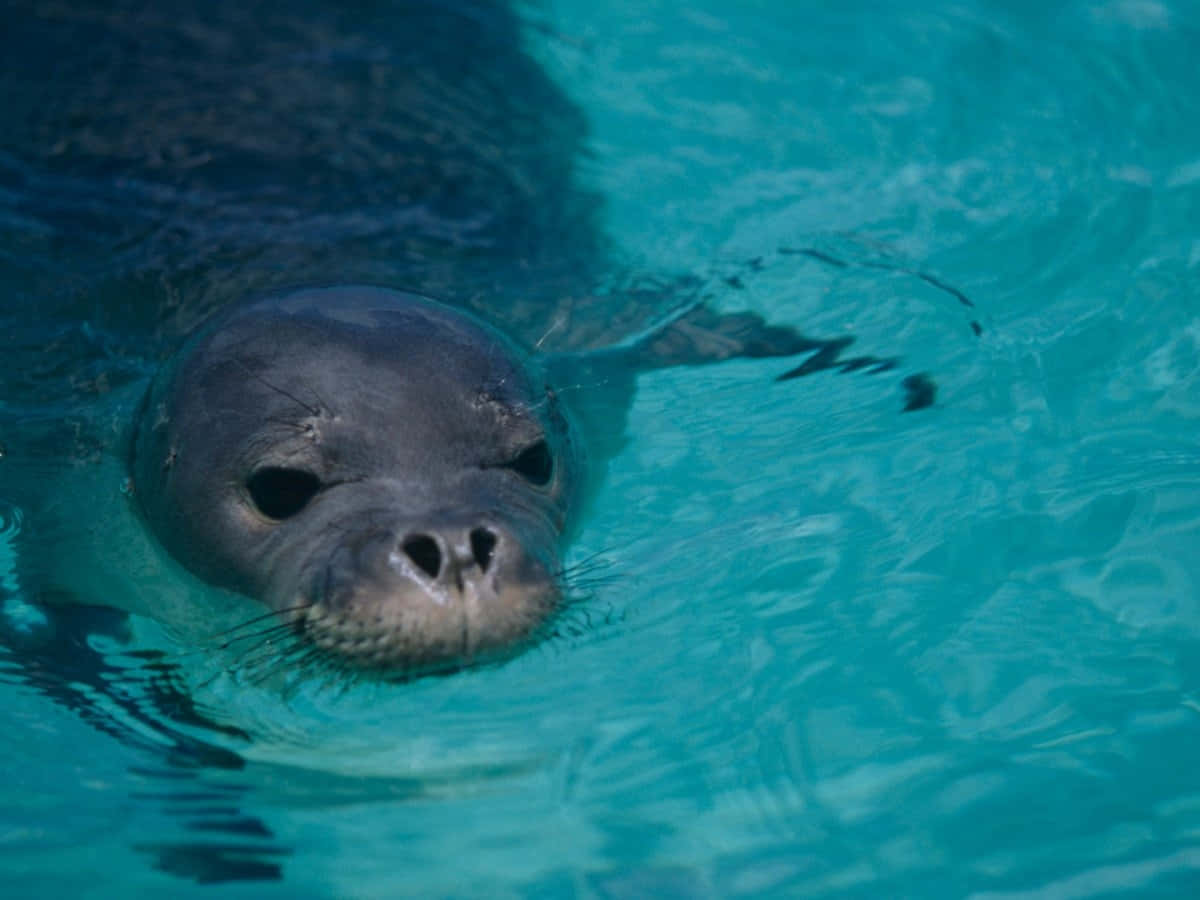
(270, 643)
(580, 620)
(265, 635)
(262, 676)
(321, 662)
(270, 662)
(298, 652)
(278, 643)
(266, 654)
(260, 618)
(337, 676)
(588, 588)
(583, 567)
(599, 560)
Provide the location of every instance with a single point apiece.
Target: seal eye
(281, 493)
(534, 464)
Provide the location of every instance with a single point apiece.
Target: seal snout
(416, 599)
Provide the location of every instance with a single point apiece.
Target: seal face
(388, 475)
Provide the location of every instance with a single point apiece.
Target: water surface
(834, 650)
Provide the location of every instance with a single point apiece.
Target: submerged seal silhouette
(389, 475)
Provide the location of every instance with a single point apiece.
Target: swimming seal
(387, 481)
(346, 477)
(390, 476)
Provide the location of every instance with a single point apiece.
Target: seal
(383, 482)
(392, 477)
(349, 478)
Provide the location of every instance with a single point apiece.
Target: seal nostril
(423, 550)
(483, 543)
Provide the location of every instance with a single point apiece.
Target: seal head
(390, 476)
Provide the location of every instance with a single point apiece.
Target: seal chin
(435, 600)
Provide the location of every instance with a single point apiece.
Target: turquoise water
(834, 650)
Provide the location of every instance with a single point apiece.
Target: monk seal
(388, 480)
(389, 475)
(346, 477)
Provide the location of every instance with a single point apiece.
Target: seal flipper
(598, 385)
(696, 334)
(701, 335)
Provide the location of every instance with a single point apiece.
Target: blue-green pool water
(835, 650)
